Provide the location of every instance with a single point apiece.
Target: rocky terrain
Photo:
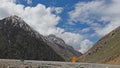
(19, 41)
(106, 50)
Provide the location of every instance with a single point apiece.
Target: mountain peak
(22, 41)
(56, 39)
(19, 41)
(15, 21)
(14, 18)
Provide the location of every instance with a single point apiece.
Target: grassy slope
(105, 50)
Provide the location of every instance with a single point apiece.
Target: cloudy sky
(80, 23)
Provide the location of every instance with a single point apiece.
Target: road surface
(4, 63)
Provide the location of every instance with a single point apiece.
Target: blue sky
(67, 6)
(80, 23)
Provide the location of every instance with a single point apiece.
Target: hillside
(19, 41)
(106, 50)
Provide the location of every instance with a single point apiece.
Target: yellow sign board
(74, 59)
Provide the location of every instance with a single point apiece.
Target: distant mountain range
(66, 51)
(19, 41)
(106, 50)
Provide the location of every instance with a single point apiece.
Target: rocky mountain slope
(106, 50)
(19, 41)
(66, 51)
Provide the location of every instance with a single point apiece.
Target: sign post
(74, 59)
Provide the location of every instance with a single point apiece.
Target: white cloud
(96, 13)
(76, 40)
(71, 39)
(3, 1)
(42, 19)
(29, 1)
(38, 17)
(57, 10)
(82, 12)
(85, 30)
(85, 45)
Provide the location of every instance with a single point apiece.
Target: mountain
(19, 41)
(56, 39)
(66, 51)
(106, 50)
